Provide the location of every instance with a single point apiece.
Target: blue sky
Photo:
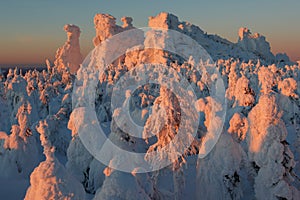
(32, 30)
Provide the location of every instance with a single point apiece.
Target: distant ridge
(23, 66)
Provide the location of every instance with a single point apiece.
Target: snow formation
(68, 56)
(256, 157)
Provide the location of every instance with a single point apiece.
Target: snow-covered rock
(255, 43)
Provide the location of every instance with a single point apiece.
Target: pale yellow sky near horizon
(31, 50)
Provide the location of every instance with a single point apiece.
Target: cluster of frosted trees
(255, 157)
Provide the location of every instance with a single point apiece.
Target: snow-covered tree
(238, 127)
(269, 151)
(50, 180)
(19, 151)
(218, 174)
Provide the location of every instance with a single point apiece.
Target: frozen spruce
(51, 180)
(68, 56)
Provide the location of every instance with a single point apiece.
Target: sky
(32, 30)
